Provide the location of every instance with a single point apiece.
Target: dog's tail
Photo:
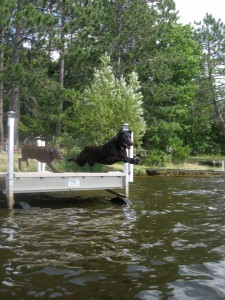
(25, 142)
(71, 159)
(80, 160)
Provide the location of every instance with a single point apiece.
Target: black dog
(111, 152)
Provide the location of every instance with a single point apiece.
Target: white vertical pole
(126, 167)
(126, 179)
(40, 166)
(222, 165)
(131, 166)
(9, 181)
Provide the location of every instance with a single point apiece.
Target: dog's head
(124, 139)
(55, 154)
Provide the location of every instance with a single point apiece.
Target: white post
(222, 165)
(131, 166)
(40, 166)
(9, 181)
(126, 167)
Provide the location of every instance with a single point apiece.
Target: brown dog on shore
(111, 152)
(42, 154)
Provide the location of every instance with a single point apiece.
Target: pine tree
(211, 36)
(6, 9)
(169, 89)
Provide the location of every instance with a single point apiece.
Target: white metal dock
(35, 182)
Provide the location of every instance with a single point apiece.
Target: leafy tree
(57, 95)
(170, 90)
(105, 106)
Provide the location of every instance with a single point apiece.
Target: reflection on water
(168, 245)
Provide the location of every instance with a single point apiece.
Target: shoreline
(184, 169)
(185, 172)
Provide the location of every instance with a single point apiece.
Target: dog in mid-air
(111, 152)
(42, 154)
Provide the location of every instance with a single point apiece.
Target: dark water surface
(170, 244)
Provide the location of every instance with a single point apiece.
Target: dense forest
(76, 70)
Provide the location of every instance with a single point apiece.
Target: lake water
(170, 244)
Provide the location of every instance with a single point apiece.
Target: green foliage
(179, 152)
(159, 78)
(107, 104)
(6, 9)
(156, 158)
(171, 91)
(210, 34)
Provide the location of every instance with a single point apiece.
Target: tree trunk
(61, 78)
(1, 86)
(61, 82)
(15, 91)
(214, 97)
(119, 17)
(219, 115)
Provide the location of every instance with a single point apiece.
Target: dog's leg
(91, 163)
(22, 159)
(80, 160)
(135, 160)
(77, 160)
(71, 159)
(19, 163)
(49, 164)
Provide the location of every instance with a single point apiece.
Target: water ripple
(167, 245)
(210, 286)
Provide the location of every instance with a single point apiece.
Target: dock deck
(34, 182)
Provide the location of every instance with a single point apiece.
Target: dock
(36, 182)
(46, 182)
(12, 182)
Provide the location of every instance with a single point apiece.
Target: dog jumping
(109, 153)
(42, 154)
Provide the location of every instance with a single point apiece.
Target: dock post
(126, 166)
(131, 166)
(9, 179)
(41, 166)
(126, 180)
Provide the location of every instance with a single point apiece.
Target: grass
(32, 163)
(139, 170)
